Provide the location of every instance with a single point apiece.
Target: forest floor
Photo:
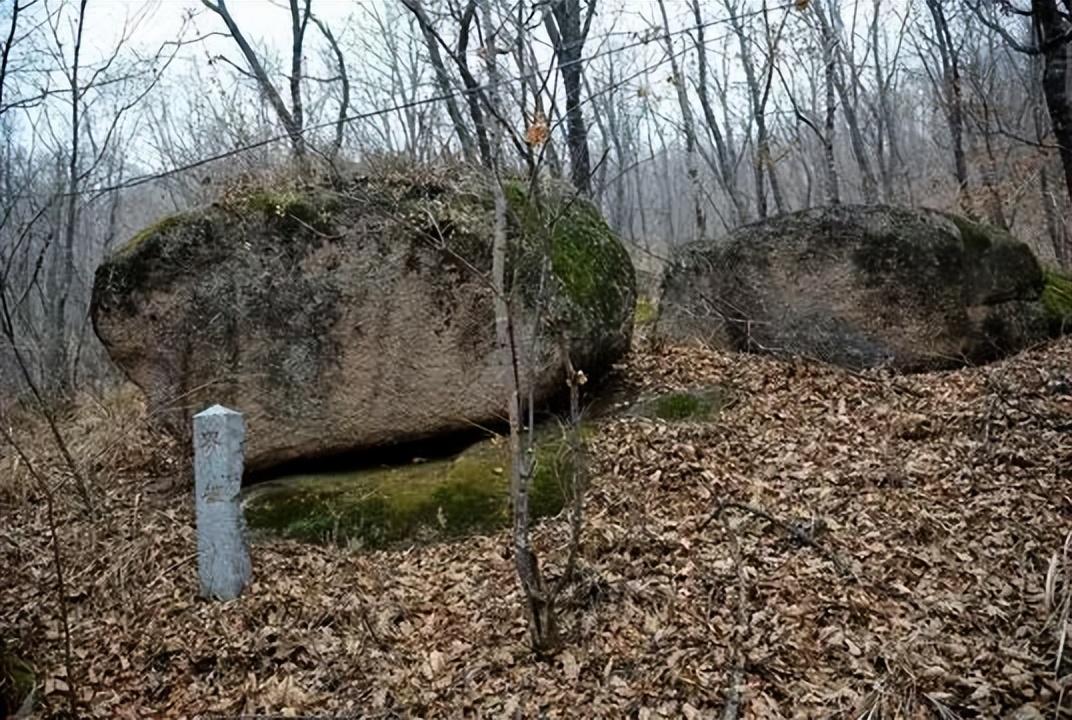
(887, 547)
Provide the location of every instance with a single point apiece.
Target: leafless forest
(681, 119)
(793, 537)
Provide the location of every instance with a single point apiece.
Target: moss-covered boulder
(359, 312)
(1057, 301)
(421, 502)
(859, 286)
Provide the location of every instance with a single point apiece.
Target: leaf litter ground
(885, 549)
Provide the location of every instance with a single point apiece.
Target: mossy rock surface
(424, 501)
(859, 286)
(357, 312)
(567, 235)
(1057, 301)
(646, 312)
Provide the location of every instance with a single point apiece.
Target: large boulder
(859, 286)
(359, 313)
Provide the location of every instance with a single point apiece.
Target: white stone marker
(222, 555)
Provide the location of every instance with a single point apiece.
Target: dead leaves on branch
(945, 496)
(538, 130)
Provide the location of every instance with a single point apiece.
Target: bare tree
(888, 150)
(688, 127)
(1051, 39)
(725, 163)
(344, 81)
(946, 77)
(292, 118)
(759, 82)
(832, 38)
(568, 31)
(444, 83)
(542, 624)
(62, 271)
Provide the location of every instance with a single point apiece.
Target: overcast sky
(268, 21)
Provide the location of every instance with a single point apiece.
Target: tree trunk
(833, 191)
(725, 166)
(299, 21)
(1053, 31)
(542, 625)
(59, 365)
(568, 36)
(292, 123)
(1055, 225)
(688, 128)
(848, 107)
(952, 89)
(443, 83)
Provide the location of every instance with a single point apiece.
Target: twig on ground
(733, 693)
(793, 531)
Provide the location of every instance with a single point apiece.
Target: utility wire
(281, 137)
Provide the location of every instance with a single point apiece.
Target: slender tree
(568, 32)
(292, 118)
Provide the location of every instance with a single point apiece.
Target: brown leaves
(945, 494)
(538, 130)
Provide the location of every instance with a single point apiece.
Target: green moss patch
(977, 237)
(646, 312)
(16, 682)
(422, 502)
(693, 405)
(292, 209)
(160, 227)
(1057, 300)
(587, 260)
(997, 268)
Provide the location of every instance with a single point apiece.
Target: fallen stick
(792, 530)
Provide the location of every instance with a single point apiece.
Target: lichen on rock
(353, 312)
(859, 286)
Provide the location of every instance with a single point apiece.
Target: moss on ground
(17, 681)
(1057, 300)
(682, 406)
(378, 507)
(696, 405)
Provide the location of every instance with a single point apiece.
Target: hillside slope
(883, 545)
